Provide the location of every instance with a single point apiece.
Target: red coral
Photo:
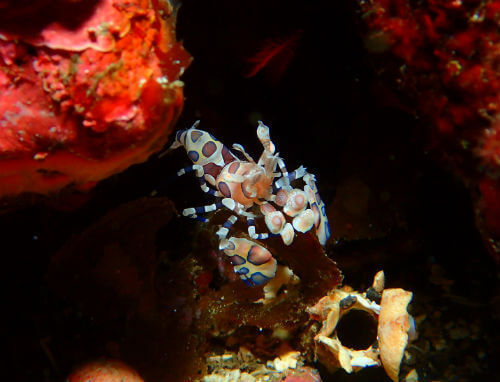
(451, 54)
(490, 148)
(88, 88)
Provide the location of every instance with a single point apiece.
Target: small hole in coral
(49, 173)
(357, 329)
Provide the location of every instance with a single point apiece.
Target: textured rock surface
(87, 88)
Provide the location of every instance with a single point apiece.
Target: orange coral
(105, 371)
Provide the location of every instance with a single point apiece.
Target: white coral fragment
(329, 349)
(393, 320)
(284, 362)
(284, 276)
(393, 327)
(230, 376)
(379, 282)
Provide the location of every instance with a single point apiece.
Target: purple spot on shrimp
(195, 135)
(212, 169)
(233, 167)
(242, 271)
(245, 192)
(193, 155)
(237, 260)
(258, 255)
(178, 136)
(318, 198)
(227, 155)
(259, 279)
(208, 149)
(224, 189)
(230, 245)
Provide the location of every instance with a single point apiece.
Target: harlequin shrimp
(243, 184)
(252, 262)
